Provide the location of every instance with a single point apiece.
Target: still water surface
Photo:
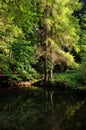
(42, 109)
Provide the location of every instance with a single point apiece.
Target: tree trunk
(46, 69)
(51, 53)
(46, 49)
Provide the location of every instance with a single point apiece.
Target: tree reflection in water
(41, 109)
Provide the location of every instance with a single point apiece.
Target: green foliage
(21, 59)
(75, 77)
(17, 53)
(81, 78)
(66, 76)
(35, 32)
(81, 74)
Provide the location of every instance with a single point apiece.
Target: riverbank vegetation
(43, 39)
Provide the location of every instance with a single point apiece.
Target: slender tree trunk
(51, 73)
(46, 68)
(48, 71)
(46, 49)
(51, 52)
(51, 67)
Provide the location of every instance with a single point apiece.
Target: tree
(82, 17)
(58, 30)
(16, 37)
(81, 78)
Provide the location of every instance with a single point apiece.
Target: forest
(42, 64)
(43, 39)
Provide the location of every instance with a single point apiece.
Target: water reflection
(42, 109)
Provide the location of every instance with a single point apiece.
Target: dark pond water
(42, 109)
